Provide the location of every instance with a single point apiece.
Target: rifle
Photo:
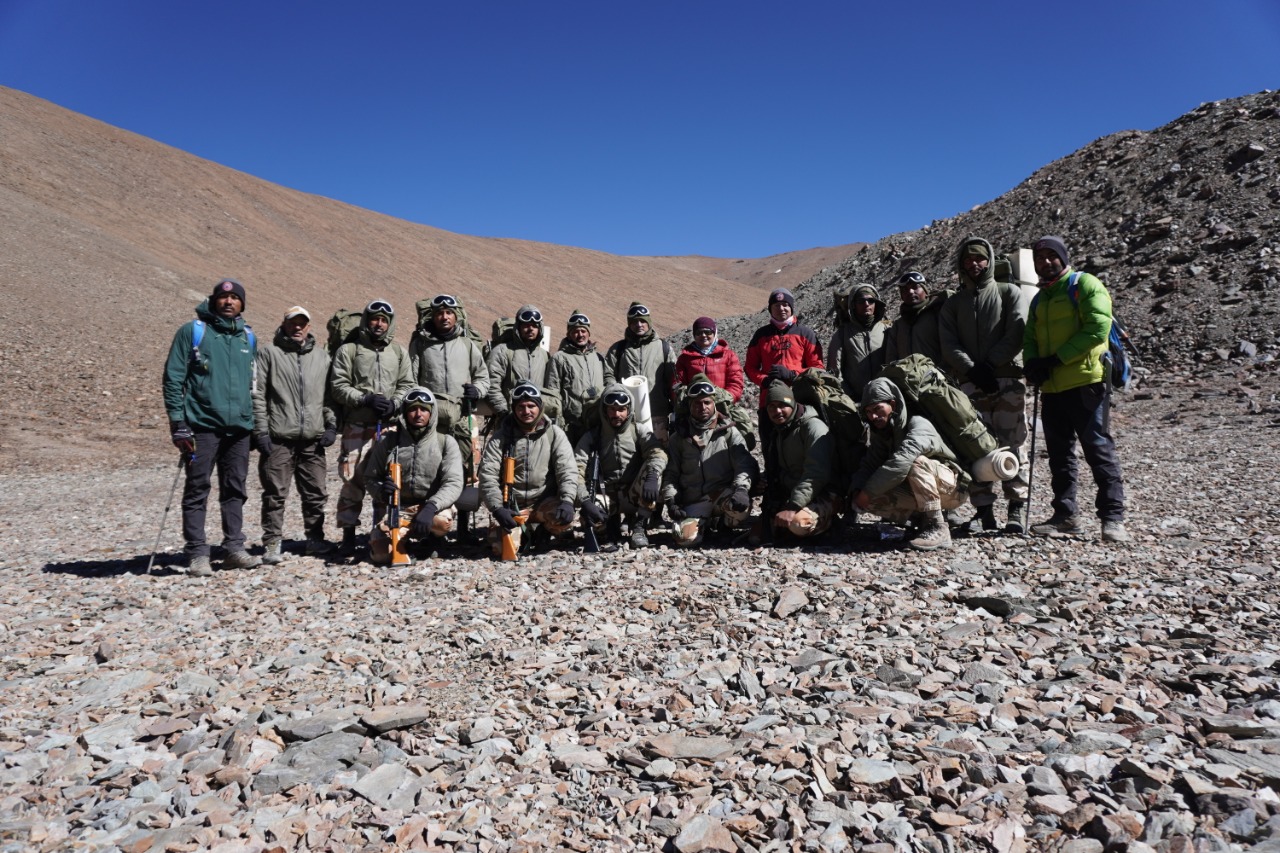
(593, 486)
(470, 464)
(510, 540)
(396, 524)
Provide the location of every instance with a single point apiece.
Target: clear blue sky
(731, 128)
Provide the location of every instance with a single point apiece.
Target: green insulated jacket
(289, 399)
(917, 332)
(576, 374)
(625, 453)
(895, 448)
(430, 465)
(544, 464)
(1076, 332)
(510, 363)
(982, 322)
(644, 355)
(446, 364)
(368, 365)
(806, 457)
(703, 462)
(213, 393)
(856, 351)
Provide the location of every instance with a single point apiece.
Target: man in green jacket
(292, 425)
(856, 351)
(576, 374)
(805, 452)
(208, 388)
(642, 353)
(916, 329)
(1065, 340)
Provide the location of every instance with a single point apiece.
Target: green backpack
(930, 395)
(822, 392)
(342, 328)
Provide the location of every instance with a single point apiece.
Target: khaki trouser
(540, 514)
(1004, 414)
(816, 517)
(930, 486)
(380, 537)
(357, 441)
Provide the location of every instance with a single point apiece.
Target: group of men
(575, 435)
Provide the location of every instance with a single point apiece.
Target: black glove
(563, 513)
(384, 407)
(649, 488)
(505, 517)
(421, 526)
(675, 512)
(1039, 370)
(388, 488)
(984, 376)
(182, 437)
(262, 443)
(593, 512)
(329, 437)
(739, 500)
(782, 373)
(471, 392)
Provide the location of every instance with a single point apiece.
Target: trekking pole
(1031, 463)
(182, 463)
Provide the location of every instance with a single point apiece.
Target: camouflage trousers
(357, 441)
(1004, 414)
(930, 486)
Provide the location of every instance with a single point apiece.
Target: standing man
(916, 329)
(856, 351)
(576, 373)
(208, 397)
(369, 378)
(292, 426)
(642, 353)
(517, 358)
(1065, 340)
(711, 356)
(981, 329)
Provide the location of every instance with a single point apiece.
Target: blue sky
(731, 129)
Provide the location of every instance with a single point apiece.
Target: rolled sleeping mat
(638, 388)
(998, 465)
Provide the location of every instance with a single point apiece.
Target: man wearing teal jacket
(1062, 347)
(208, 388)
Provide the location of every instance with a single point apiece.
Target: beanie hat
(700, 386)
(780, 392)
(781, 295)
(976, 247)
(704, 323)
(1055, 245)
(228, 285)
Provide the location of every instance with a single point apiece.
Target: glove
(782, 373)
(739, 500)
(422, 520)
(675, 512)
(505, 517)
(984, 376)
(388, 488)
(262, 443)
(649, 488)
(329, 437)
(182, 437)
(471, 392)
(593, 512)
(563, 513)
(381, 406)
(1038, 370)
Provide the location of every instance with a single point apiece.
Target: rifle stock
(396, 524)
(510, 539)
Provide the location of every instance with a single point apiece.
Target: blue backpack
(1116, 358)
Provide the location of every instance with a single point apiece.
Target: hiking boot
(984, 519)
(271, 553)
(348, 546)
(1017, 522)
(1058, 526)
(1113, 531)
(240, 560)
(318, 547)
(953, 518)
(639, 539)
(933, 534)
(200, 567)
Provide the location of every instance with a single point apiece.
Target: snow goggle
(637, 311)
(419, 397)
(579, 320)
(444, 300)
(911, 279)
(380, 306)
(702, 389)
(529, 315)
(526, 392)
(617, 398)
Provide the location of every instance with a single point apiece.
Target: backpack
(424, 306)
(197, 335)
(740, 417)
(930, 395)
(1116, 358)
(823, 392)
(342, 327)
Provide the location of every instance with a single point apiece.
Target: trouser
(539, 514)
(357, 441)
(1085, 414)
(229, 452)
(451, 420)
(930, 486)
(380, 536)
(1004, 414)
(691, 529)
(301, 461)
(816, 517)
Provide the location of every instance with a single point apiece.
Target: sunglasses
(704, 331)
(380, 307)
(637, 311)
(702, 389)
(579, 320)
(911, 278)
(864, 300)
(526, 392)
(617, 398)
(529, 315)
(444, 300)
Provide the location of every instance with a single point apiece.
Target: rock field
(1008, 694)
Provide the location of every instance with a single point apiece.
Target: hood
(883, 390)
(431, 424)
(631, 412)
(867, 290)
(288, 344)
(989, 276)
(515, 329)
(211, 319)
(367, 337)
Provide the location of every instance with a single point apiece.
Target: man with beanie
(518, 357)
(545, 473)
(369, 377)
(621, 467)
(293, 424)
(915, 332)
(709, 469)
(208, 397)
(711, 356)
(908, 473)
(856, 351)
(576, 374)
(1063, 347)
(642, 353)
(806, 460)
(981, 328)
(430, 475)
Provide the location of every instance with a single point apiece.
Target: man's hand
(505, 517)
(740, 500)
(262, 443)
(1039, 370)
(983, 375)
(422, 520)
(782, 373)
(862, 501)
(563, 513)
(329, 437)
(649, 489)
(182, 437)
(675, 512)
(388, 488)
(593, 512)
(471, 392)
(784, 518)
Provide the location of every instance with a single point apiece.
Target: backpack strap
(197, 335)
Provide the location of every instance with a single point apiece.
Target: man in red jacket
(711, 356)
